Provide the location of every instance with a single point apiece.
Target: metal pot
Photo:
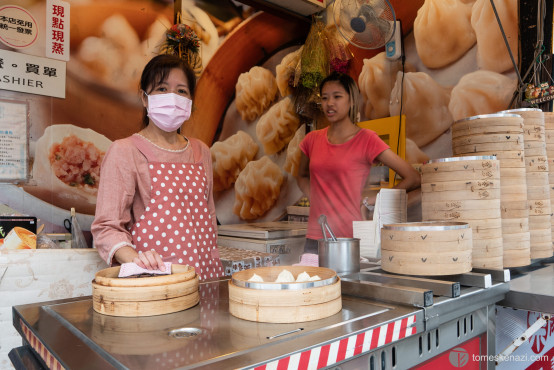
(342, 255)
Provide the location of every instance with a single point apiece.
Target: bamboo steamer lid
(488, 138)
(486, 147)
(148, 296)
(490, 194)
(488, 124)
(461, 164)
(284, 302)
(459, 214)
(463, 205)
(515, 225)
(467, 186)
(438, 248)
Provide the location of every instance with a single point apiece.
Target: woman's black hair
(351, 88)
(156, 72)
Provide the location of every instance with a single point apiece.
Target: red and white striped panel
(343, 349)
(37, 345)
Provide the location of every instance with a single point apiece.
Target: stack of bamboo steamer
(538, 186)
(467, 189)
(549, 130)
(504, 135)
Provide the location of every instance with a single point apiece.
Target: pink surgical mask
(168, 111)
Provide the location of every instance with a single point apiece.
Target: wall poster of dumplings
(244, 108)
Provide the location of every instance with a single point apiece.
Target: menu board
(13, 141)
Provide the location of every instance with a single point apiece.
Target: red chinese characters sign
(57, 29)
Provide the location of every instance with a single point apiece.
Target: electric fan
(367, 24)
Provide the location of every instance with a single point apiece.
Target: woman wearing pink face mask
(155, 201)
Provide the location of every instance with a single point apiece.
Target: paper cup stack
(391, 207)
(538, 186)
(549, 130)
(506, 129)
(467, 189)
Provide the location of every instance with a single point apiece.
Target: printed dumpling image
(292, 162)
(492, 54)
(257, 188)
(277, 126)
(255, 91)
(440, 20)
(66, 167)
(285, 277)
(230, 156)
(285, 71)
(376, 81)
(481, 92)
(420, 90)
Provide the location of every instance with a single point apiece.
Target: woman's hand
(367, 207)
(150, 260)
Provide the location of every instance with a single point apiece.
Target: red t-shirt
(338, 173)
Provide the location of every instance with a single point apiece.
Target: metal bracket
(504, 355)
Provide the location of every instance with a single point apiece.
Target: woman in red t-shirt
(336, 162)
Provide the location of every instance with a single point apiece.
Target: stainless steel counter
(207, 335)
(532, 288)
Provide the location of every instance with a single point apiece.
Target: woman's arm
(411, 179)
(303, 177)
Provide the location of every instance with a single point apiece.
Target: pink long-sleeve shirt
(124, 190)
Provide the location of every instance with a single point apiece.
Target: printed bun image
(66, 167)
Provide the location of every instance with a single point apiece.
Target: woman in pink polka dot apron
(155, 200)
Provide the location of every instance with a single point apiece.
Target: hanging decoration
(339, 53)
(540, 89)
(182, 41)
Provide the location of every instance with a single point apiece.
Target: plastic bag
(77, 237)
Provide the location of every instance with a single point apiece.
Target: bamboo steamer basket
(466, 186)
(465, 205)
(488, 124)
(460, 164)
(515, 225)
(284, 302)
(488, 138)
(487, 194)
(459, 214)
(503, 154)
(486, 147)
(514, 210)
(469, 130)
(536, 164)
(437, 248)
(147, 296)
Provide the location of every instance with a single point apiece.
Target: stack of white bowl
(467, 189)
(538, 186)
(501, 135)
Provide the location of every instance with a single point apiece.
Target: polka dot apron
(177, 223)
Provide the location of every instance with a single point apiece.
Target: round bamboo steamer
(487, 244)
(490, 194)
(459, 214)
(146, 296)
(516, 173)
(436, 264)
(287, 302)
(466, 186)
(503, 154)
(489, 174)
(541, 251)
(486, 147)
(438, 248)
(512, 163)
(468, 130)
(463, 205)
(471, 163)
(515, 225)
(492, 263)
(488, 138)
